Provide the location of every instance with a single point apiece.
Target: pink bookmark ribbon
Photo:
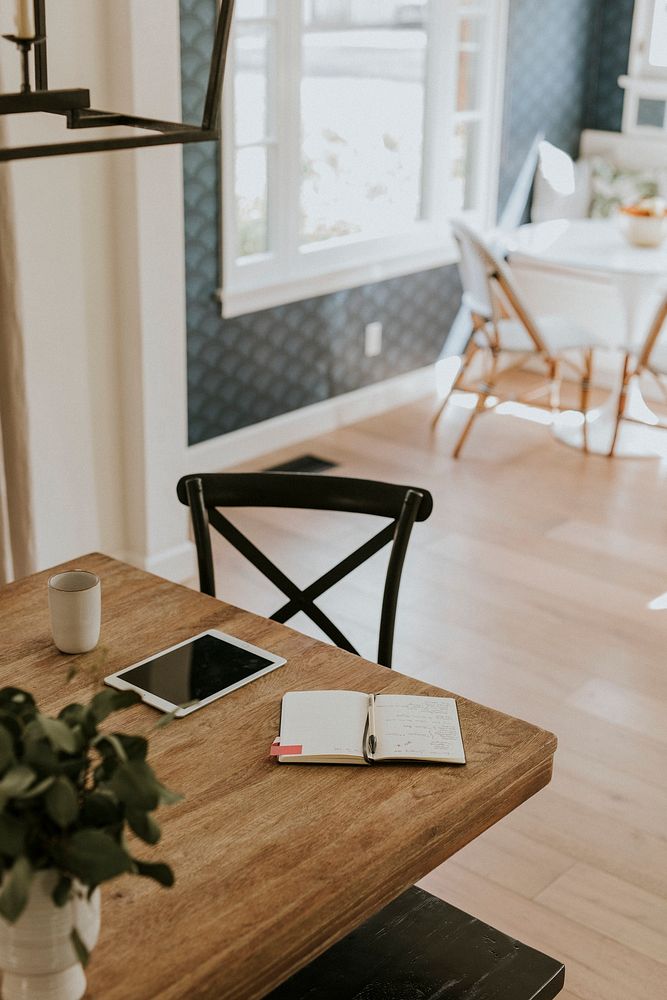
(292, 751)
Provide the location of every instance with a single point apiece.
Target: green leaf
(106, 702)
(158, 872)
(62, 802)
(73, 715)
(59, 734)
(92, 856)
(17, 780)
(167, 797)
(167, 719)
(75, 767)
(17, 702)
(12, 835)
(100, 809)
(106, 742)
(143, 825)
(170, 717)
(62, 891)
(11, 724)
(15, 889)
(37, 789)
(135, 784)
(6, 749)
(82, 952)
(39, 753)
(136, 747)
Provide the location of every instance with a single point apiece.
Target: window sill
(241, 302)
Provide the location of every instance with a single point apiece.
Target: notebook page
(324, 723)
(414, 727)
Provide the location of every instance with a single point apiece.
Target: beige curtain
(16, 535)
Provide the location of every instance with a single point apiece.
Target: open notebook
(349, 727)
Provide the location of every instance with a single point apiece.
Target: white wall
(64, 253)
(101, 288)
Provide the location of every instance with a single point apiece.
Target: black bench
(421, 948)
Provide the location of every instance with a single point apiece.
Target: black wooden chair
(421, 948)
(403, 505)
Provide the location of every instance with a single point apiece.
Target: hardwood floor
(529, 589)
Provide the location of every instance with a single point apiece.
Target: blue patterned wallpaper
(610, 60)
(546, 88)
(562, 65)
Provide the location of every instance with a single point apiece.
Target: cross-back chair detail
(403, 505)
(643, 365)
(498, 314)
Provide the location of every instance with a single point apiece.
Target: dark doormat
(304, 463)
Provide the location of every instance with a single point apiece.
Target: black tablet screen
(199, 669)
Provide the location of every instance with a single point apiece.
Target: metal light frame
(74, 104)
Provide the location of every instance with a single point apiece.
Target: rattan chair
(651, 360)
(205, 495)
(509, 336)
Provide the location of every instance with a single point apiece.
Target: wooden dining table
(273, 864)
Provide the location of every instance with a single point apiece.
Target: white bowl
(643, 230)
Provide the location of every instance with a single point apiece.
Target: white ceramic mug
(75, 602)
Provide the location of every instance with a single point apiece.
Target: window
(657, 55)
(645, 104)
(353, 130)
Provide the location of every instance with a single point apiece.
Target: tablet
(194, 673)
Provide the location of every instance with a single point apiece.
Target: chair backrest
(654, 331)
(402, 505)
(494, 275)
(474, 273)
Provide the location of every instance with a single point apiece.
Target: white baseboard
(319, 418)
(177, 564)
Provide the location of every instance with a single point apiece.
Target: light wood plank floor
(529, 590)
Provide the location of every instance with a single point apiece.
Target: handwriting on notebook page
(414, 726)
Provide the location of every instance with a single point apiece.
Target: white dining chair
(651, 360)
(509, 337)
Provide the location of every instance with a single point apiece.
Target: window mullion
(272, 145)
(289, 173)
(495, 106)
(484, 182)
(440, 107)
(228, 164)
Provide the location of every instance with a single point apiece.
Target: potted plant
(68, 794)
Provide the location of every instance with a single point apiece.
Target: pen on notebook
(372, 738)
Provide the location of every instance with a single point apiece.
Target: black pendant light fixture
(74, 105)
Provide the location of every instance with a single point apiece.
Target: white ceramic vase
(37, 957)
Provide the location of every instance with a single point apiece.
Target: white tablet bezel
(116, 680)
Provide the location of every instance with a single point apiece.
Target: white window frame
(289, 273)
(643, 80)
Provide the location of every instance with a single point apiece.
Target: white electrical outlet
(373, 340)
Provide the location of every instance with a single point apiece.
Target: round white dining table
(598, 249)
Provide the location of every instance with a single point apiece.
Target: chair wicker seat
(559, 335)
(504, 325)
